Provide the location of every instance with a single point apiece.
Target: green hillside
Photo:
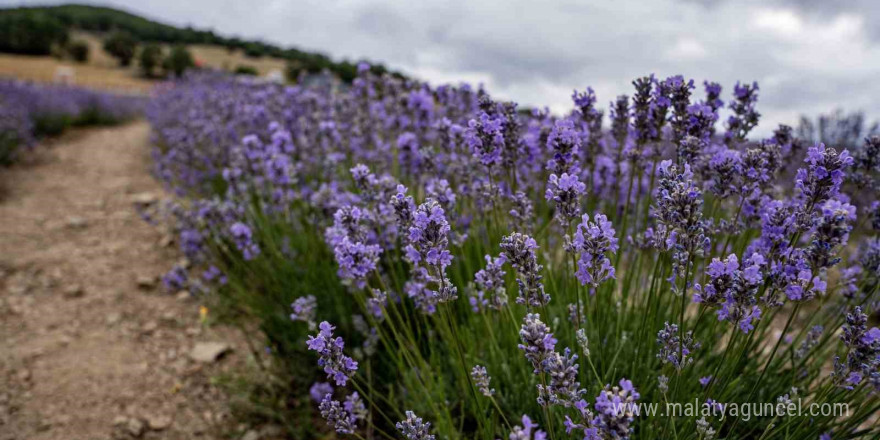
(36, 30)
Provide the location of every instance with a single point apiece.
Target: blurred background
(810, 57)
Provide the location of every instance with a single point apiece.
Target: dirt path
(87, 349)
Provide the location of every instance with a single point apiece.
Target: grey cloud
(537, 52)
(382, 21)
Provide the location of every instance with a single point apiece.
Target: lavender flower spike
(593, 241)
(428, 249)
(674, 348)
(336, 364)
(519, 250)
(331, 410)
(305, 310)
(413, 428)
(525, 432)
(565, 191)
(617, 410)
(243, 238)
(537, 341)
(481, 380)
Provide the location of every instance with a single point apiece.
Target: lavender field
(430, 262)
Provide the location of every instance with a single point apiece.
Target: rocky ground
(91, 345)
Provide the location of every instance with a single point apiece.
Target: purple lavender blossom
(809, 342)
(213, 273)
(678, 211)
(305, 310)
(485, 138)
(643, 125)
(481, 380)
(592, 119)
(320, 389)
(519, 250)
(522, 212)
(413, 428)
(439, 190)
(587, 420)
(565, 191)
(713, 95)
(679, 98)
(617, 409)
(243, 238)
(525, 432)
(336, 364)
(869, 260)
(356, 260)
(490, 285)
(404, 207)
(176, 279)
(823, 176)
(724, 170)
(537, 341)
(830, 232)
(593, 240)
(347, 223)
(733, 290)
(565, 143)
(427, 248)
(744, 117)
(343, 417)
(563, 388)
(377, 303)
(862, 354)
(410, 155)
(700, 121)
(674, 348)
(689, 148)
(874, 209)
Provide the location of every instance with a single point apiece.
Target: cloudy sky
(809, 56)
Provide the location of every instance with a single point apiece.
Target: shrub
(178, 60)
(254, 50)
(79, 51)
(121, 45)
(450, 266)
(150, 58)
(244, 69)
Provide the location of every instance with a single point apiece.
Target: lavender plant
(684, 262)
(29, 111)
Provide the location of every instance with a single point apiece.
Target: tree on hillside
(254, 50)
(150, 58)
(178, 60)
(121, 45)
(78, 50)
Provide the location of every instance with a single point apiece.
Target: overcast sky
(809, 56)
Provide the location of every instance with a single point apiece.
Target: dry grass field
(103, 72)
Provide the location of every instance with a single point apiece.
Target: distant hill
(33, 30)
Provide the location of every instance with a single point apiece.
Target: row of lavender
(29, 111)
(488, 266)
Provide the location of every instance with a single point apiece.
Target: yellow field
(103, 72)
